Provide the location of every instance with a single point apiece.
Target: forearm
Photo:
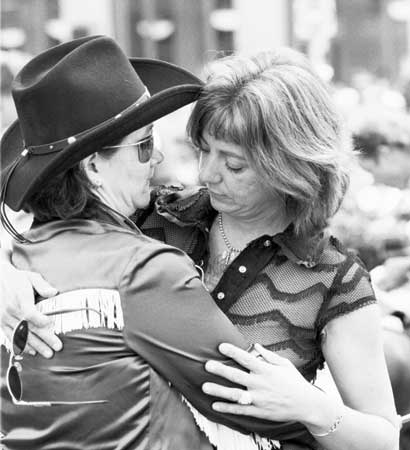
(164, 324)
(355, 430)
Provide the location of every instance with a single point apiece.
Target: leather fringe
(97, 308)
(224, 438)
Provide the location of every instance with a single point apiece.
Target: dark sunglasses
(145, 148)
(14, 383)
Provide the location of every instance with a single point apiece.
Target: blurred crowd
(374, 218)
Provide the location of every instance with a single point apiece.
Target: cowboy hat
(77, 97)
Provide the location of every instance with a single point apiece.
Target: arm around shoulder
(173, 323)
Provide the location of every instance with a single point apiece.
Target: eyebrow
(149, 129)
(147, 136)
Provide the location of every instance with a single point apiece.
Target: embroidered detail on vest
(224, 438)
(97, 308)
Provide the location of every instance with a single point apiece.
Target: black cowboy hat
(73, 99)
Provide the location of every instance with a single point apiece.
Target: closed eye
(234, 169)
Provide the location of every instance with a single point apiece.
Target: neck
(242, 230)
(108, 199)
(113, 211)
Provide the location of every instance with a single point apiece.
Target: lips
(214, 194)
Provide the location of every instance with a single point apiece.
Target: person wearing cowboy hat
(135, 319)
(270, 265)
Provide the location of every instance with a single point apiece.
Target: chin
(220, 206)
(143, 200)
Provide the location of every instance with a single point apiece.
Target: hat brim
(171, 88)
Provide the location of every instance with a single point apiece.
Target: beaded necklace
(227, 254)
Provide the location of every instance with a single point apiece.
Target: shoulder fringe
(224, 438)
(106, 301)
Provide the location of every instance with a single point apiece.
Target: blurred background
(361, 48)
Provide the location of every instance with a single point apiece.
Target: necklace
(227, 255)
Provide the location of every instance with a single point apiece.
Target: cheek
(128, 177)
(246, 189)
(124, 179)
(138, 176)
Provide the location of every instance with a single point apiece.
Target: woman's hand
(275, 388)
(17, 303)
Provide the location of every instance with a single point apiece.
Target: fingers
(35, 318)
(18, 303)
(271, 357)
(242, 357)
(234, 408)
(34, 343)
(40, 340)
(231, 394)
(43, 338)
(39, 346)
(39, 330)
(235, 375)
(30, 350)
(40, 285)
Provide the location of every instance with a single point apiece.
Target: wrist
(324, 413)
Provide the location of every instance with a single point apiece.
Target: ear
(91, 168)
(90, 163)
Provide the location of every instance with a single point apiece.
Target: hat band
(57, 146)
(45, 149)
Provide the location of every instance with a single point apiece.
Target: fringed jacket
(156, 327)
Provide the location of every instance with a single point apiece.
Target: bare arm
(353, 349)
(17, 302)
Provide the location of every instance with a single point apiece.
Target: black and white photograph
(205, 225)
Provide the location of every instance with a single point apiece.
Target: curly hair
(278, 110)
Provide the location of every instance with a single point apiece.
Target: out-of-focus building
(371, 35)
(346, 40)
(369, 39)
(186, 32)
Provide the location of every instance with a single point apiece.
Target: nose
(157, 157)
(209, 170)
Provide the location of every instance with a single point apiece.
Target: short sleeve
(172, 322)
(351, 289)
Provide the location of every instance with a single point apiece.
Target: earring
(97, 182)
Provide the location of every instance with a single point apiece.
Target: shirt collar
(302, 250)
(195, 209)
(42, 231)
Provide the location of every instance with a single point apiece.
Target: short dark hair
(67, 195)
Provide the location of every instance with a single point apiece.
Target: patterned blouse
(281, 290)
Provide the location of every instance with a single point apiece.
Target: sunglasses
(14, 383)
(145, 148)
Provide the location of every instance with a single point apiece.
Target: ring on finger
(245, 398)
